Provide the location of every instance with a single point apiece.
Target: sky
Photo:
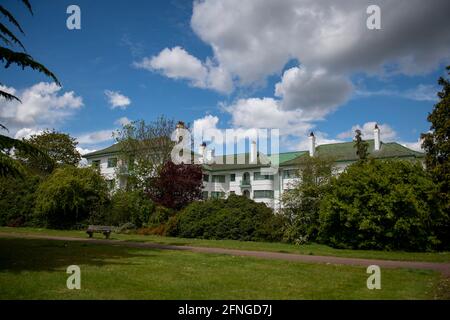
(295, 65)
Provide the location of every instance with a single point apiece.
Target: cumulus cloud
(43, 105)
(177, 63)
(117, 100)
(387, 133)
(417, 145)
(26, 133)
(257, 38)
(315, 92)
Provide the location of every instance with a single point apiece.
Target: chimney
(376, 138)
(178, 129)
(201, 152)
(312, 145)
(253, 153)
(210, 154)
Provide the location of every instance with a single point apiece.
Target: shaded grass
(308, 249)
(36, 269)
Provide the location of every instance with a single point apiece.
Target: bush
(383, 205)
(70, 196)
(130, 207)
(17, 197)
(235, 218)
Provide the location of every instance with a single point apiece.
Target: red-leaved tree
(176, 185)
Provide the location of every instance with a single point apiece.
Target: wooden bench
(106, 230)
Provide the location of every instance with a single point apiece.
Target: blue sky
(215, 66)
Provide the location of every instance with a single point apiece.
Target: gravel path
(443, 268)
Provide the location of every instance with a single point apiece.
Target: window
(96, 164)
(232, 177)
(217, 195)
(258, 194)
(220, 179)
(112, 162)
(205, 195)
(206, 177)
(259, 176)
(291, 173)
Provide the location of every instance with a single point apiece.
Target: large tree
(61, 147)
(9, 56)
(301, 203)
(145, 147)
(436, 143)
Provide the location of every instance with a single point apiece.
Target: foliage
(17, 199)
(130, 207)
(144, 148)
(9, 56)
(436, 143)
(9, 166)
(60, 147)
(361, 146)
(176, 185)
(235, 218)
(301, 204)
(383, 205)
(70, 196)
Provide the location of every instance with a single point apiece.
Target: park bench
(106, 230)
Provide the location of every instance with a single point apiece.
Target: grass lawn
(309, 249)
(36, 269)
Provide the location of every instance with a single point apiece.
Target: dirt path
(444, 268)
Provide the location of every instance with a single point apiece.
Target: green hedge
(235, 218)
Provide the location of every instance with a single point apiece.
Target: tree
(380, 204)
(70, 196)
(176, 185)
(8, 166)
(60, 147)
(301, 203)
(436, 143)
(144, 148)
(361, 146)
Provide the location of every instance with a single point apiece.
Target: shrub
(17, 197)
(383, 205)
(70, 196)
(234, 218)
(130, 207)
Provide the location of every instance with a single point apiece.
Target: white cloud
(43, 105)
(177, 63)
(84, 151)
(122, 121)
(257, 38)
(117, 100)
(26, 133)
(96, 137)
(387, 133)
(417, 146)
(317, 92)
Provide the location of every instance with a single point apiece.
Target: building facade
(224, 175)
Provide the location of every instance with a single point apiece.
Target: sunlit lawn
(309, 249)
(36, 269)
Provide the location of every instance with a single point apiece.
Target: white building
(228, 177)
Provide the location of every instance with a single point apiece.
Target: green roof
(115, 148)
(340, 152)
(346, 152)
